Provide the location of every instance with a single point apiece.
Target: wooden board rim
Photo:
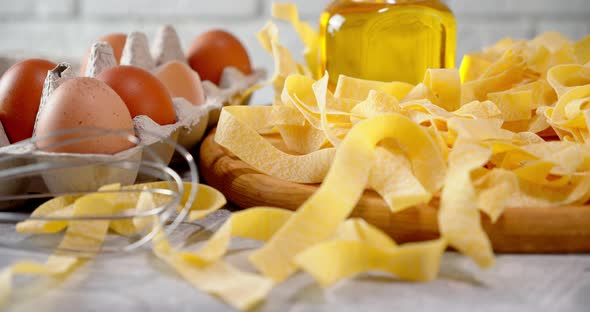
(563, 229)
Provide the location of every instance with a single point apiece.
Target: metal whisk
(30, 175)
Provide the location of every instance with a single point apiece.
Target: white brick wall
(169, 9)
(65, 28)
(521, 7)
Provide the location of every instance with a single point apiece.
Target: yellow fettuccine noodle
(446, 86)
(359, 247)
(343, 186)
(59, 206)
(392, 177)
(359, 89)
(309, 168)
(63, 207)
(82, 240)
(204, 268)
(329, 262)
(458, 218)
(494, 190)
(309, 35)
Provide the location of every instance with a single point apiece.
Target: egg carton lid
(233, 82)
(167, 47)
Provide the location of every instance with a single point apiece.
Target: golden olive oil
(386, 40)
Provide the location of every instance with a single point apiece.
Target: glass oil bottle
(386, 40)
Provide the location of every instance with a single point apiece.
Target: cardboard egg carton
(87, 172)
(167, 48)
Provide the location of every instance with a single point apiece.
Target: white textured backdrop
(65, 28)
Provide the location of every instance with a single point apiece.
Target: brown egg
(21, 88)
(116, 41)
(84, 103)
(143, 93)
(215, 50)
(182, 81)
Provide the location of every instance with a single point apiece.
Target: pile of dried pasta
(507, 130)
(471, 138)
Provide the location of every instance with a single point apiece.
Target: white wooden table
(140, 282)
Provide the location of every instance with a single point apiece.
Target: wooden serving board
(519, 230)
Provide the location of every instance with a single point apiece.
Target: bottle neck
(337, 5)
(383, 1)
